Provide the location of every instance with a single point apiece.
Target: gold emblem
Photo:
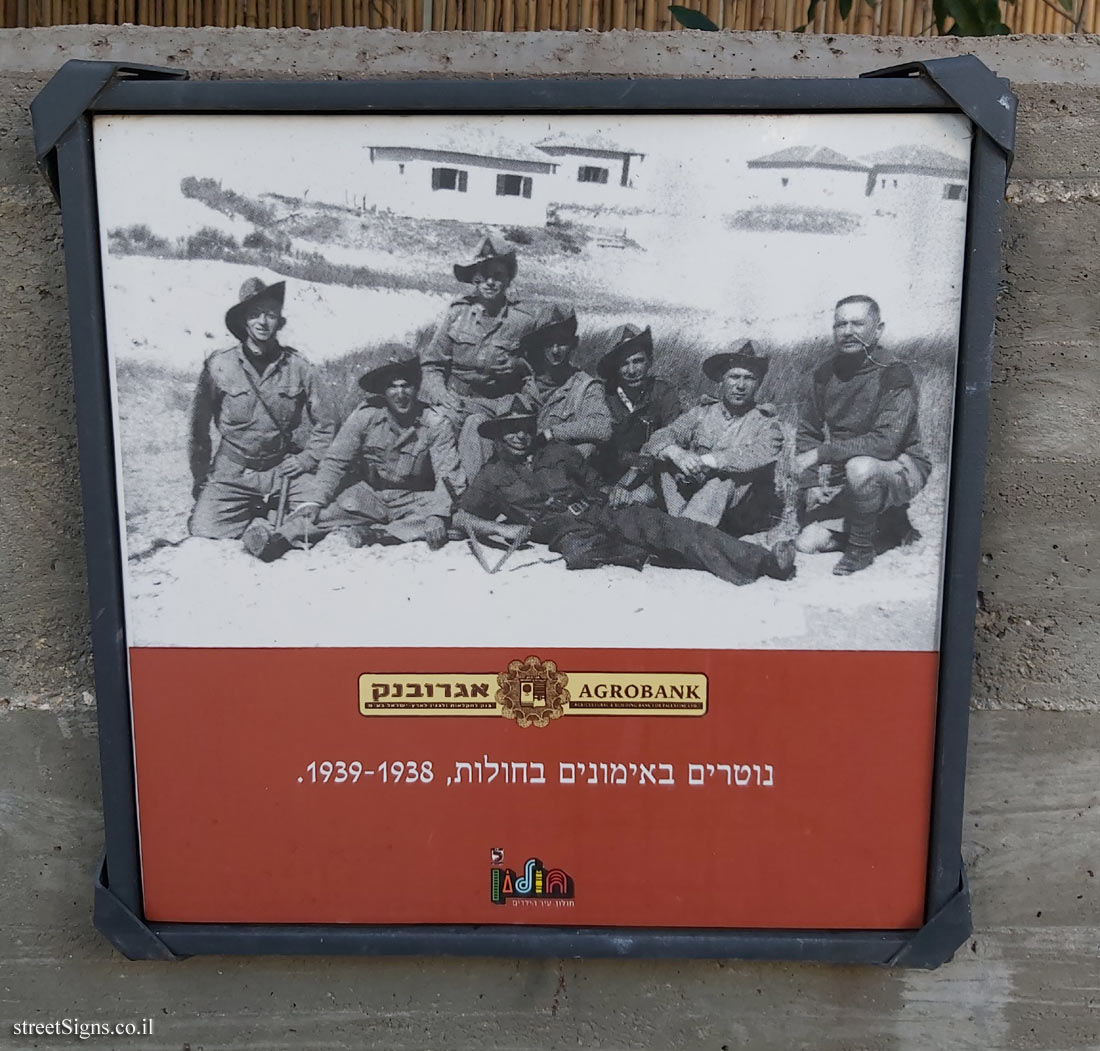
(532, 692)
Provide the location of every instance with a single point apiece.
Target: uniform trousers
(234, 495)
(631, 535)
(864, 486)
(473, 450)
(402, 513)
(870, 486)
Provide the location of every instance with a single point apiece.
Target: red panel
(234, 830)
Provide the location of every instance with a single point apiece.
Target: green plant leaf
(967, 16)
(971, 17)
(844, 7)
(689, 18)
(989, 11)
(810, 11)
(799, 29)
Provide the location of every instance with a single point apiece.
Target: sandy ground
(211, 593)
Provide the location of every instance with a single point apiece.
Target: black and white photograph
(679, 381)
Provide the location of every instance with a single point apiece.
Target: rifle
(475, 548)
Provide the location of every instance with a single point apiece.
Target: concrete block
(1048, 410)
(43, 605)
(1048, 295)
(1057, 127)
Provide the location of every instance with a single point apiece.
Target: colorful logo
(532, 692)
(537, 881)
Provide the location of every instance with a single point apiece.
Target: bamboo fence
(886, 17)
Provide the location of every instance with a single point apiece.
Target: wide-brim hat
(520, 414)
(486, 252)
(388, 364)
(627, 340)
(253, 291)
(745, 357)
(558, 324)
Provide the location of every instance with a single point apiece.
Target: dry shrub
(209, 243)
(211, 193)
(137, 240)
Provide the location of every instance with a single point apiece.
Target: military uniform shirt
(862, 409)
(543, 484)
(227, 395)
(739, 444)
(374, 448)
(633, 422)
(575, 411)
(478, 352)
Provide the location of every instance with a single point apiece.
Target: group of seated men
(492, 433)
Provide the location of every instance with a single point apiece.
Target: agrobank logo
(536, 883)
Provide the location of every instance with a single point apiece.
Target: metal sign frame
(63, 114)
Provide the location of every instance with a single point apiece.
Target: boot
(629, 555)
(262, 542)
(779, 565)
(859, 552)
(895, 529)
(367, 536)
(300, 531)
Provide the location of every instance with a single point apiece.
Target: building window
(588, 173)
(513, 186)
(449, 179)
(954, 191)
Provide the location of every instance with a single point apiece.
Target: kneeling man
(256, 394)
(859, 445)
(391, 475)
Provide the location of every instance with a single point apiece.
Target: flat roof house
(803, 173)
(592, 168)
(475, 177)
(917, 167)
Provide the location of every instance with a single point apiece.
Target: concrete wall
(1028, 978)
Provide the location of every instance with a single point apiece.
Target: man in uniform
(859, 445)
(391, 475)
(571, 406)
(639, 404)
(256, 393)
(553, 495)
(716, 463)
(473, 366)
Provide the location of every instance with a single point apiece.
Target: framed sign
(532, 517)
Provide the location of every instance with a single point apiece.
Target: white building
(808, 176)
(592, 170)
(904, 176)
(478, 177)
(906, 170)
